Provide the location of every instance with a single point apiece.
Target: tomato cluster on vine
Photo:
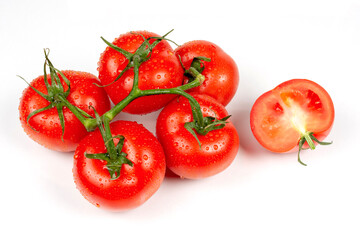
(118, 165)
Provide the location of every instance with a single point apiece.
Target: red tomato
(162, 70)
(281, 116)
(136, 184)
(45, 127)
(221, 73)
(183, 154)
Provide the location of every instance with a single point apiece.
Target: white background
(262, 195)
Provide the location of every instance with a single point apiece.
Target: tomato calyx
(310, 139)
(56, 94)
(142, 54)
(206, 125)
(114, 156)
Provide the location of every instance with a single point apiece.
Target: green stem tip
(310, 139)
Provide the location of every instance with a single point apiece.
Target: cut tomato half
(281, 117)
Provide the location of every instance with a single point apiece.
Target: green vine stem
(90, 123)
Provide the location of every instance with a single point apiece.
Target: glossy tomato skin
(162, 70)
(279, 116)
(45, 126)
(136, 184)
(183, 154)
(221, 73)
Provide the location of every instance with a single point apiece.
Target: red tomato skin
(221, 73)
(47, 124)
(292, 145)
(136, 184)
(162, 70)
(183, 154)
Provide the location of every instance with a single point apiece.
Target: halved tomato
(294, 113)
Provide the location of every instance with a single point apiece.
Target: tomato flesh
(281, 116)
